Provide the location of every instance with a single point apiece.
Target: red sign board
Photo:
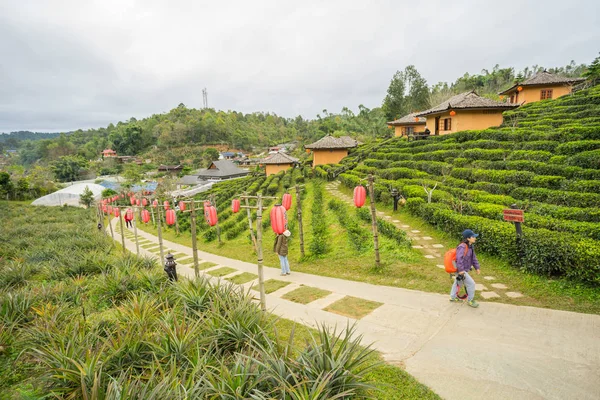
(514, 215)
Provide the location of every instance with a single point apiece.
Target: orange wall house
(541, 86)
(272, 169)
(328, 156)
(463, 121)
(407, 125)
(278, 162)
(330, 150)
(463, 112)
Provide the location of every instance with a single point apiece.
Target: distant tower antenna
(205, 98)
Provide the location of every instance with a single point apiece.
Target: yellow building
(541, 86)
(278, 162)
(330, 150)
(408, 125)
(465, 111)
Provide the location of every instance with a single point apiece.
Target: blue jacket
(464, 262)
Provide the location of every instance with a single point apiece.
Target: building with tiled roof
(407, 125)
(330, 149)
(465, 111)
(278, 162)
(543, 85)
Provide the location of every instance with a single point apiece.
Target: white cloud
(80, 64)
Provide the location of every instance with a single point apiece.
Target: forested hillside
(545, 160)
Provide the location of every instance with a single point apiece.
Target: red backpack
(450, 259)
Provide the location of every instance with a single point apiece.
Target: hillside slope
(545, 159)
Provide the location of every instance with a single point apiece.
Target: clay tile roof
(408, 120)
(544, 78)
(465, 101)
(279, 158)
(330, 142)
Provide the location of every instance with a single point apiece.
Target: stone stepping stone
(441, 266)
(514, 295)
(417, 247)
(427, 238)
(396, 220)
(415, 231)
(499, 286)
(387, 217)
(489, 295)
(437, 246)
(429, 256)
(479, 286)
(380, 213)
(489, 278)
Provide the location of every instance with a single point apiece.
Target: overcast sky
(83, 64)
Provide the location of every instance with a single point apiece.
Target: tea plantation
(545, 159)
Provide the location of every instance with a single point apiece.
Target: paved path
(497, 351)
(431, 250)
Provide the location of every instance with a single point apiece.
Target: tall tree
(66, 168)
(394, 104)
(408, 92)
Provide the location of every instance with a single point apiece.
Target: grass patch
(149, 245)
(305, 294)
(205, 265)
(271, 285)
(353, 307)
(180, 255)
(219, 272)
(242, 278)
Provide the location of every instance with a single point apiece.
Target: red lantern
(210, 213)
(145, 216)
(360, 195)
(144, 202)
(278, 219)
(181, 206)
(452, 113)
(170, 217)
(416, 119)
(155, 203)
(137, 202)
(116, 211)
(235, 205)
(104, 209)
(109, 209)
(520, 88)
(129, 214)
(166, 204)
(286, 201)
(132, 200)
(122, 196)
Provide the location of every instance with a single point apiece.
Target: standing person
(128, 218)
(281, 248)
(465, 260)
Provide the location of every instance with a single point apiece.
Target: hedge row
(319, 244)
(358, 237)
(543, 251)
(385, 228)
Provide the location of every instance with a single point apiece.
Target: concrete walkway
(497, 351)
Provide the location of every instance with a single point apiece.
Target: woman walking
(281, 248)
(465, 261)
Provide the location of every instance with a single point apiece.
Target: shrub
(385, 228)
(319, 244)
(542, 156)
(572, 148)
(358, 237)
(558, 197)
(587, 159)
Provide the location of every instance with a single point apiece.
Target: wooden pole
(137, 244)
(261, 277)
(374, 220)
(160, 241)
(250, 225)
(194, 244)
(300, 229)
(122, 233)
(112, 234)
(214, 203)
(152, 211)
